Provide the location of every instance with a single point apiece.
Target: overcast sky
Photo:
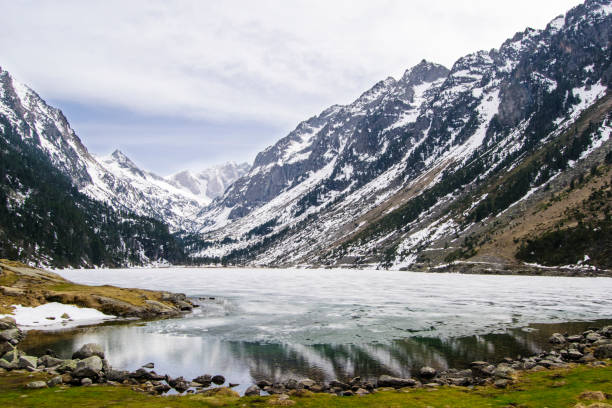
(187, 84)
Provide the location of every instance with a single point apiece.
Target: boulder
(557, 338)
(7, 323)
(5, 347)
(142, 374)
(35, 385)
(86, 381)
(427, 372)
(505, 372)
(361, 392)
(117, 375)
(253, 390)
(603, 352)
(90, 367)
(49, 361)
(67, 366)
(205, 380)
(89, 350)
(264, 383)
(307, 383)
(12, 356)
(339, 384)
(218, 379)
(291, 384)
(57, 380)
(592, 337)
(181, 386)
(501, 383)
(395, 382)
(28, 362)
(607, 331)
(12, 336)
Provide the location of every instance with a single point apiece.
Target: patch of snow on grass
(37, 317)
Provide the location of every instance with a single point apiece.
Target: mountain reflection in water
(128, 346)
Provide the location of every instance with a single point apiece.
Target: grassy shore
(550, 388)
(24, 285)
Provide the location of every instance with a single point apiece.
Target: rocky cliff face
(379, 180)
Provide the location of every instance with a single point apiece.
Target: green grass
(555, 389)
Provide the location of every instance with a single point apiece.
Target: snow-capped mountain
(384, 179)
(115, 179)
(209, 183)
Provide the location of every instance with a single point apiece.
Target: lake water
(277, 324)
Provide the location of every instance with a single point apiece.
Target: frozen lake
(325, 324)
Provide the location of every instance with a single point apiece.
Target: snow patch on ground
(38, 317)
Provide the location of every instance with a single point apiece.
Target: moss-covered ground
(552, 388)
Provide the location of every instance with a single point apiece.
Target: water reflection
(128, 346)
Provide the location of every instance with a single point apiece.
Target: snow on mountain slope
(374, 180)
(209, 183)
(115, 179)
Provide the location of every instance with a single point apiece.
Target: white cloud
(274, 61)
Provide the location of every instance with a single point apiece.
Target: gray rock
(55, 381)
(35, 385)
(117, 375)
(291, 384)
(557, 338)
(5, 365)
(607, 331)
(427, 372)
(89, 367)
(603, 352)
(339, 384)
(205, 380)
(307, 383)
(86, 381)
(575, 338)
(149, 365)
(503, 371)
(361, 392)
(11, 356)
(461, 381)
(181, 386)
(592, 337)
(67, 366)
(7, 323)
(13, 336)
(263, 383)
(49, 361)
(5, 347)
(574, 355)
(253, 390)
(218, 379)
(501, 383)
(28, 362)
(89, 350)
(395, 382)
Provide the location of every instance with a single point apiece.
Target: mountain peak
(424, 71)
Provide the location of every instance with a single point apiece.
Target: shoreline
(88, 366)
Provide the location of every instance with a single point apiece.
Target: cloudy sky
(187, 84)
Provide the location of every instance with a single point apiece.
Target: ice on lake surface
(323, 324)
